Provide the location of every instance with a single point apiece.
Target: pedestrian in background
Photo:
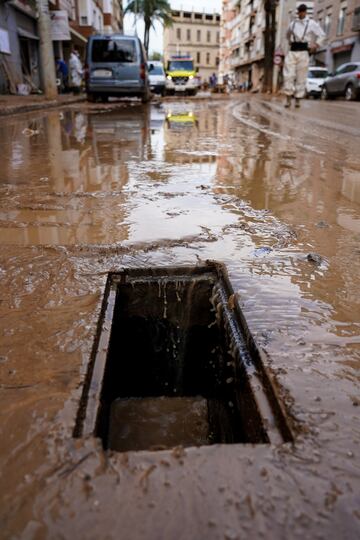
(304, 36)
(76, 71)
(62, 73)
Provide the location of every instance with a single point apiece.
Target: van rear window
(113, 50)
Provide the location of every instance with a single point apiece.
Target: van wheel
(104, 99)
(90, 97)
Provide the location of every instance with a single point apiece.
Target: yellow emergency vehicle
(181, 76)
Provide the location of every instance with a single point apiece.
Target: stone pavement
(10, 104)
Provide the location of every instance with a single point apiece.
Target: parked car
(116, 66)
(344, 82)
(315, 80)
(157, 78)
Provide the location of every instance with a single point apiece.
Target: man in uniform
(305, 36)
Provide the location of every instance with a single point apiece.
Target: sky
(156, 37)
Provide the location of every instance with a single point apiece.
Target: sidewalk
(21, 104)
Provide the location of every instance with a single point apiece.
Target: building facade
(243, 30)
(19, 45)
(242, 42)
(340, 20)
(73, 21)
(197, 34)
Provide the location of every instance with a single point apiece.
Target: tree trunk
(269, 42)
(147, 34)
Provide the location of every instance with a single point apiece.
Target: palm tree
(150, 11)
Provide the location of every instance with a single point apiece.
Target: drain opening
(172, 366)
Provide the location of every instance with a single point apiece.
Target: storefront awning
(26, 34)
(78, 35)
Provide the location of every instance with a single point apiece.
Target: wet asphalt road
(273, 194)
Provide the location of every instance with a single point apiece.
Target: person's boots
(297, 102)
(288, 102)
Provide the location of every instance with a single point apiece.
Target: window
(217, 37)
(83, 20)
(327, 24)
(178, 33)
(218, 18)
(113, 50)
(318, 73)
(209, 17)
(208, 58)
(188, 34)
(156, 69)
(341, 21)
(198, 35)
(198, 16)
(208, 36)
(187, 15)
(348, 68)
(198, 57)
(185, 65)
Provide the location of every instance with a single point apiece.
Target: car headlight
(191, 77)
(169, 77)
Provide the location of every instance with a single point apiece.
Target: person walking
(62, 73)
(76, 71)
(304, 36)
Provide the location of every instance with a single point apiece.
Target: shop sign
(60, 30)
(278, 56)
(4, 41)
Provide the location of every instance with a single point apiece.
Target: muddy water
(274, 196)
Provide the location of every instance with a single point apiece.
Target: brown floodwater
(273, 195)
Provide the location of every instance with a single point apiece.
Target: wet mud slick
(274, 195)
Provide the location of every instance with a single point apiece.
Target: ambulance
(181, 76)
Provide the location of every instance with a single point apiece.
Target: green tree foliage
(151, 11)
(156, 56)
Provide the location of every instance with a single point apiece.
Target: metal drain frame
(270, 408)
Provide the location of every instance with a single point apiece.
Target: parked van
(116, 66)
(157, 77)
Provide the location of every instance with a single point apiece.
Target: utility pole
(46, 50)
(269, 42)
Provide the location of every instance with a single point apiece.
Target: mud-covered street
(272, 194)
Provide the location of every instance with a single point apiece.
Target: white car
(315, 80)
(157, 78)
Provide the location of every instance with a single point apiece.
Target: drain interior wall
(165, 342)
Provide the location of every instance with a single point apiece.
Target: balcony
(355, 26)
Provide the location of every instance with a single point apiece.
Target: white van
(157, 79)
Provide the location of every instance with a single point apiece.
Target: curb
(19, 109)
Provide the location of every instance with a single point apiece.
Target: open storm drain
(174, 364)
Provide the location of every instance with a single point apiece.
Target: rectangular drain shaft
(174, 364)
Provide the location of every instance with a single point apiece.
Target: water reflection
(71, 172)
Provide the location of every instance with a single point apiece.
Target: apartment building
(72, 22)
(95, 16)
(242, 42)
(340, 20)
(242, 49)
(197, 34)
